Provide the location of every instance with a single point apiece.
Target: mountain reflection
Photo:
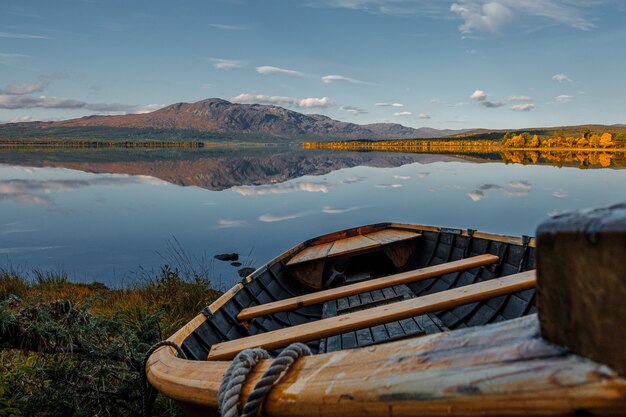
(252, 171)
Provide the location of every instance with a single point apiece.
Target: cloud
(21, 89)
(487, 17)
(353, 110)
(403, 113)
(20, 36)
(478, 95)
(521, 188)
(491, 15)
(518, 98)
(228, 223)
(389, 104)
(227, 27)
(249, 98)
(482, 98)
(7, 58)
(402, 177)
(476, 195)
(563, 98)
(327, 79)
(560, 194)
(309, 187)
(353, 179)
(389, 185)
(12, 101)
(338, 210)
(226, 64)
(423, 116)
(523, 107)
(560, 77)
(271, 218)
(26, 249)
(422, 174)
(524, 185)
(389, 7)
(266, 70)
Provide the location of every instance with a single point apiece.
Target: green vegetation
(72, 349)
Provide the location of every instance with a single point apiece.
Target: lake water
(112, 215)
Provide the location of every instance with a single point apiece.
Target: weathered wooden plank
(582, 283)
(391, 235)
(351, 245)
(494, 370)
(311, 253)
(377, 315)
(360, 287)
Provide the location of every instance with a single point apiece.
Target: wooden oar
(361, 287)
(379, 315)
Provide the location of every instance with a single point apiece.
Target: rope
(234, 378)
(148, 392)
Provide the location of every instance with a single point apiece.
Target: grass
(75, 349)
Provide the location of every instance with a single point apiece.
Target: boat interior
(355, 271)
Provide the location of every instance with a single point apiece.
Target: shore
(76, 349)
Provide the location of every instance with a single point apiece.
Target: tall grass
(74, 349)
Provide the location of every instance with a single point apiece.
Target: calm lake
(115, 215)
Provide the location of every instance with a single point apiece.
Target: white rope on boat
(230, 388)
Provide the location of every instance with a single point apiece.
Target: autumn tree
(606, 140)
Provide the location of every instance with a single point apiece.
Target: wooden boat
(408, 320)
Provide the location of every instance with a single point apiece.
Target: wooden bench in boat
(308, 265)
(361, 287)
(378, 315)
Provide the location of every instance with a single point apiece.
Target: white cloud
(423, 116)
(560, 77)
(402, 177)
(403, 113)
(248, 98)
(309, 187)
(523, 107)
(389, 104)
(227, 27)
(11, 35)
(477, 17)
(478, 95)
(563, 98)
(266, 69)
(560, 194)
(353, 110)
(226, 64)
(337, 210)
(21, 89)
(327, 79)
(523, 185)
(491, 15)
(389, 185)
(228, 223)
(271, 218)
(353, 179)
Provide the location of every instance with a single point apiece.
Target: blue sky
(445, 64)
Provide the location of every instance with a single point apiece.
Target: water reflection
(99, 215)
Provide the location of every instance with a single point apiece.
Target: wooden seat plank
(352, 244)
(360, 287)
(376, 316)
(387, 236)
(311, 253)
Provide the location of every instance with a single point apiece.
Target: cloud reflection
(309, 187)
(521, 189)
(228, 222)
(271, 218)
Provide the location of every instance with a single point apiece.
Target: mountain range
(217, 118)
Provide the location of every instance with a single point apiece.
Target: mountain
(222, 118)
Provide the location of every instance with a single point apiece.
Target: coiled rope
(149, 393)
(230, 388)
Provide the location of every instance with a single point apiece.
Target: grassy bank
(72, 349)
